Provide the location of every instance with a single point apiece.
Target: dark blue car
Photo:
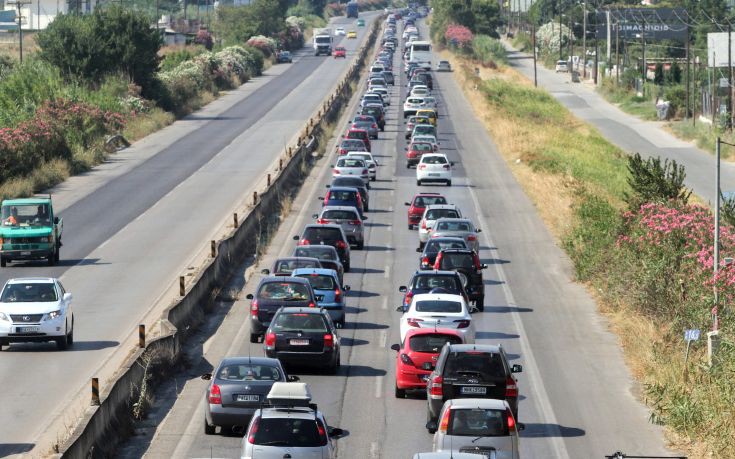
(344, 196)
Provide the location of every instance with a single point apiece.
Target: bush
(487, 50)
(265, 45)
(458, 36)
(173, 58)
(205, 39)
(676, 95)
(651, 181)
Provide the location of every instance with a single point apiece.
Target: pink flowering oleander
(458, 34)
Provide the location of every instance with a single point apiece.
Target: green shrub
(676, 95)
(172, 59)
(487, 50)
(652, 181)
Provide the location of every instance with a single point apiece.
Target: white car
(430, 102)
(351, 167)
(411, 105)
(420, 91)
(426, 138)
(382, 92)
(431, 214)
(434, 167)
(368, 158)
(439, 310)
(36, 309)
(443, 66)
(339, 31)
(371, 98)
(562, 66)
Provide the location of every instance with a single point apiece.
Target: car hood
(30, 308)
(25, 231)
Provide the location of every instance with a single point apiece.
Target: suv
(329, 291)
(306, 336)
(467, 263)
(435, 245)
(272, 293)
(289, 425)
(426, 281)
(471, 371)
(328, 234)
(339, 196)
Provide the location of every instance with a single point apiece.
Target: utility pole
(571, 48)
(561, 50)
(645, 67)
(533, 33)
(730, 76)
(19, 7)
(686, 111)
(584, 39)
(617, 51)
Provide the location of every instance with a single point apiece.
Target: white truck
(323, 41)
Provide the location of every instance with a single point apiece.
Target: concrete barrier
(104, 426)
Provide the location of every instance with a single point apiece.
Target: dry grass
(153, 121)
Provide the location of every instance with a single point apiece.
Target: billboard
(7, 20)
(717, 49)
(653, 24)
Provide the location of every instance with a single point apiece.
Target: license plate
(474, 390)
(25, 253)
(248, 398)
(28, 329)
(433, 175)
(299, 342)
(319, 297)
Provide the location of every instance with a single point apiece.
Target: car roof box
(289, 394)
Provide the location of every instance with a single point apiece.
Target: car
(419, 91)
(444, 310)
(363, 122)
(443, 66)
(477, 425)
(561, 66)
(389, 77)
(354, 182)
(344, 196)
(283, 56)
(36, 309)
(458, 227)
(360, 23)
(285, 266)
(377, 82)
(327, 256)
(376, 111)
(426, 138)
(330, 293)
(373, 98)
(423, 130)
(236, 389)
(418, 205)
(410, 123)
(424, 281)
(376, 70)
(303, 336)
(421, 345)
(360, 134)
(467, 263)
(351, 167)
(340, 51)
(348, 218)
(429, 114)
(289, 425)
(424, 77)
(411, 105)
(351, 34)
(383, 92)
(272, 293)
(435, 245)
(351, 145)
(430, 102)
(339, 31)
(471, 371)
(369, 159)
(434, 167)
(328, 234)
(432, 213)
(30, 230)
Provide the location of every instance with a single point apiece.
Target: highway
(135, 224)
(577, 397)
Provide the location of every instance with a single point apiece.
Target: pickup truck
(29, 230)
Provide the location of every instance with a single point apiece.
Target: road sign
(691, 335)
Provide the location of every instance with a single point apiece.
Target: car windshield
(438, 306)
(433, 214)
(286, 291)
(434, 160)
(249, 372)
(341, 195)
(477, 422)
(29, 293)
(298, 433)
(347, 162)
(453, 226)
(485, 364)
(457, 260)
(424, 130)
(26, 215)
(364, 157)
(432, 343)
(322, 253)
(430, 282)
(434, 246)
(353, 144)
(287, 266)
(299, 321)
(423, 201)
(320, 281)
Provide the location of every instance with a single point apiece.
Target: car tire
(374, 179)
(254, 337)
(408, 166)
(334, 368)
(400, 393)
(428, 419)
(449, 182)
(480, 303)
(360, 245)
(418, 182)
(61, 343)
(208, 429)
(410, 226)
(347, 267)
(70, 335)
(3, 262)
(57, 254)
(50, 260)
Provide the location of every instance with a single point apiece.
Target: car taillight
(438, 261)
(444, 424)
(336, 171)
(253, 430)
(322, 432)
(342, 151)
(407, 360)
(341, 244)
(471, 238)
(215, 395)
(423, 224)
(359, 198)
(312, 305)
(304, 242)
(409, 296)
(374, 126)
(462, 323)
(322, 221)
(326, 198)
(254, 307)
(337, 295)
(477, 262)
(270, 340)
(510, 420)
(355, 222)
(446, 166)
(425, 261)
(414, 322)
(328, 341)
(511, 389)
(435, 390)
(422, 166)
(364, 171)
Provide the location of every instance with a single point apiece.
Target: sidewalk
(626, 131)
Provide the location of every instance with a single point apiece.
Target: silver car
(351, 167)
(369, 159)
(458, 227)
(348, 218)
(477, 425)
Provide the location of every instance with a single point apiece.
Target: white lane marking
(383, 338)
(390, 208)
(386, 273)
(374, 450)
(385, 303)
(378, 386)
(392, 193)
(530, 368)
(389, 228)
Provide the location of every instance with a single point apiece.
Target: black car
(303, 336)
(428, 281)
(471, 371)
(329, 234)
(238, 387)
(389, 77)
(467, 262)
(377, 112)
(354, 182)
(327, 256)
(272, 293)
(434, 245)
(285, 266)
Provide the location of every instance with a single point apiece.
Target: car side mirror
(329, 186)
(314, 215)
(335, 432)
(265, 271)
(396, 347)
(520, 426)
(428, 366)
(293, 378)
(478, 230)
(419, 249)
(431, 426)
(321, 198)
(346, 288)
(56, 220)
(402, 289)
(364, 218)
(399, 309)
(407, 204)
(473, 310)
(67, 296)
(249, 296)
(405, 148)
(331, 165)
(483, 266)
(516, 368)
(207, 376)
(451, 163)
(296, 238)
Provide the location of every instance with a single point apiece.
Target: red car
(417, 206)
(421, 345)
(360, 134)
(340, 51)
(348, 145)
(414, 152)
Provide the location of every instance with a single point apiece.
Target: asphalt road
(577, 397)
(130, 234)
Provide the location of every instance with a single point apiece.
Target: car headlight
(53, 315)
(4, 316)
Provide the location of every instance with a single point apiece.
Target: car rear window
(477, 422)
(287, 266)
(299, 321)
(353, 144)
(453, 226)
(434, 160)
(433, 214)
(316, 252)
(342, 195)
(357, 135)
(438, 306)
(317, 235)
(434, 246)
(348, 182)
(432, 281)
(486, 364)
(320, 281)
(302, 433)
(423, 201)
(286, 291)
(339, 215)
(29, 293)
(432, 343)
(457, 260)
(347, 162)
(249, 372)
(421, 147)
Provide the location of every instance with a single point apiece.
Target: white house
(38, 14)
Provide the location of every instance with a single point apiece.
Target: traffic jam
(470, 390)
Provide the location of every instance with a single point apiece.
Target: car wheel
(334, 368)
(428, 419)
(3, 262)
(70, 336)
(400, 393)
(480, 303)
(360, 245)
(449, 182)
(410, 226)
(57, 254)
(373, 179)
(62, 343)
(50, 260)
(408, 166)
(418, 182)
(208, 429)
(254, 337)
(347, 267)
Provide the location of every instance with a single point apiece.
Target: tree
(652, 181)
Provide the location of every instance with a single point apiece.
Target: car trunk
(243, 394)
(300, 341)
